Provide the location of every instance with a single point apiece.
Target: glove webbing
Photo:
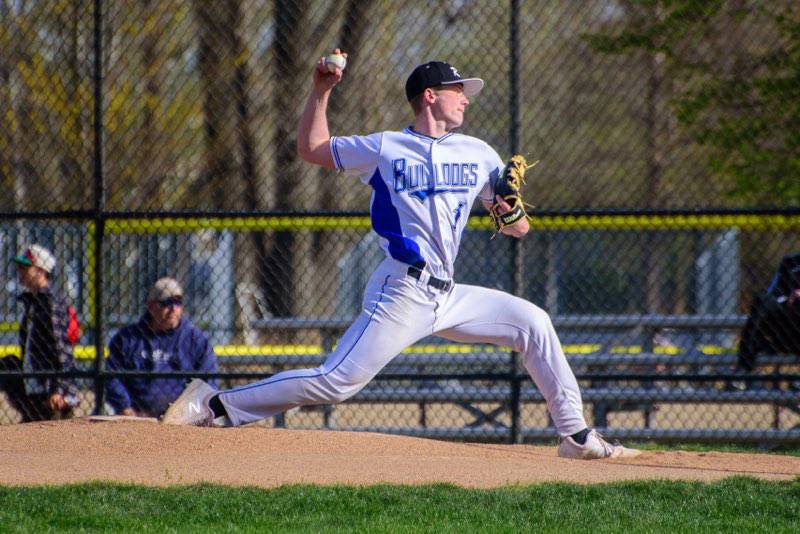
(514, 175)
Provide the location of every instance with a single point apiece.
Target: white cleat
(595, 448)
(191, 408)
(222, 422)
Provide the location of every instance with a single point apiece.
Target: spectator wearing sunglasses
(164, 340)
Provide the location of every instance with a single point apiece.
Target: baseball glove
(508, 184)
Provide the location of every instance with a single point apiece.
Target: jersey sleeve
(357, 155)
(495, 164)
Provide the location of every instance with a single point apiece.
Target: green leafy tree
(735, 66)
(45, 93)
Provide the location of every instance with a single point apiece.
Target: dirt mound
(146, 452)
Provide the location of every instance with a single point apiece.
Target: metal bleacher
(613, 378)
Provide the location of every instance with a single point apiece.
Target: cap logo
(436, 73)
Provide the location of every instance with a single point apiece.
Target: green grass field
(732, 505)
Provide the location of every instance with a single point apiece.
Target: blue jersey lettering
(451, 177)
(399, 167)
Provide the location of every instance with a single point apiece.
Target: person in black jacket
(773, 325)
(44, 345)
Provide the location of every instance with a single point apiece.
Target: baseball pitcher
(424, 180)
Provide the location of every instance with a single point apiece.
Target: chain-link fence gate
(141, 139)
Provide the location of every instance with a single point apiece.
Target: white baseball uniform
(423, 189)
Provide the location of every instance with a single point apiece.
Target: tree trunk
(332, 245)
(230, 173)
(289, 250)
(8, 178)
(653, 252)
(74, 163)
(151, 160)
(215, 57)
(251, 248)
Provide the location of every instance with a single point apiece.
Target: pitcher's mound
(147, 452)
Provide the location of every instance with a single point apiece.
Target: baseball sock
(216, 406)
(580, 437)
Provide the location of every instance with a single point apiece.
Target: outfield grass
(732, 505)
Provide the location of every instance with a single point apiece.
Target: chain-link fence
(156, 138)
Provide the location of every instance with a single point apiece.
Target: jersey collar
(410, 130)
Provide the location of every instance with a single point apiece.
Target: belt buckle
(436, 283)
(443, 285)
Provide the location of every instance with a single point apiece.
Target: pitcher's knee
(536, 329)
(323, 391)
(341, 392)
(537, 320)
(341, 384)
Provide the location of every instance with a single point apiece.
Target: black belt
(437, 283)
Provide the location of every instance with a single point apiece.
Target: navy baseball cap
(435, 73)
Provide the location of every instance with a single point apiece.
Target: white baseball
(335, 61)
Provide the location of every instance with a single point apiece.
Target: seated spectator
(773, 325)
(44, 344)
(162, 341)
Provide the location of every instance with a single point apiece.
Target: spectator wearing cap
(163, 340)
(44, 344)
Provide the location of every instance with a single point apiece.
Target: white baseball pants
(400, 310)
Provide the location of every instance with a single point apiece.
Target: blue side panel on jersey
(386, 223)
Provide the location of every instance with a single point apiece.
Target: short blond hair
(416, 103)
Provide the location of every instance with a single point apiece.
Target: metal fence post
(516, 245)
(99, 208)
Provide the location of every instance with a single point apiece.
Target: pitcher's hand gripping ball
(508, 185)
(335, 61)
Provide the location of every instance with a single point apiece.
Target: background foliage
(660, 107)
